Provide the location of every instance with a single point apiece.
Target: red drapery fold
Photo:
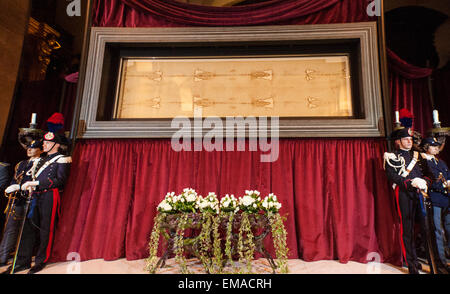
(404, 69)
(166, 13)
(409, 89)
(334, 193)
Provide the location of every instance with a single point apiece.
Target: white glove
(419, 184)
(29, 184)
(12, 188)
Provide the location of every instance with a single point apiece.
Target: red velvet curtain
(333, 191)
(409, 89)
(168, 13)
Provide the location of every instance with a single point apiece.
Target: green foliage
(207, 245)
(204, 242)
(228, 238)
(217, 250)
(179, 244)
(152, 260)
(279, 235)
(246, 246)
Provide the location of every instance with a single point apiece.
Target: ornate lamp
(439, 132)
(27, 135)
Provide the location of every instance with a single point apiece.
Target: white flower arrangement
(187, 201)
(209, 204)
(229, 203)
(270, 203)
(190, 201)
(168, 203)
(250, 202)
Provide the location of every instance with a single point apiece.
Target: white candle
(397, 117)
(435, 116)
(33, 118)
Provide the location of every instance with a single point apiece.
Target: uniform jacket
(51, 173)
(404, 183)
(439, 196)
(21, 175)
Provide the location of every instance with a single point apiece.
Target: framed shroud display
(319, 80)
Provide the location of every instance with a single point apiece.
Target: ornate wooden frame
(370, 125)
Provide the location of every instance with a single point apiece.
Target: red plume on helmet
(406, 118)
(55, 122)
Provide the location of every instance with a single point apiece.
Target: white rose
(247, 200)
(190, 197)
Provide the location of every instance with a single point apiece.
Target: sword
(9, 210)
(22, 224)
(429, 224)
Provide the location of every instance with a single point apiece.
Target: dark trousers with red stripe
(39, 227)
(408, 203)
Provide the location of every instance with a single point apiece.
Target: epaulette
(65, 159)
(426, 156)
(388, 156)
(4, 164)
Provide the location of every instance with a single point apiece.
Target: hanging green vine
(152, 260)
(246, 248)
(248, 242)
(179, 244)
(217, 250)
(279, 240)
(204, 242)
(228, 239)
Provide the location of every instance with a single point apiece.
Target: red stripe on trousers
(52, 224)
(401, 223)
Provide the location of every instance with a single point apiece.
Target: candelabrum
(439, 132)
(28, 135)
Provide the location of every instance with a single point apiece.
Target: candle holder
(440, 133)
(397, 126)
(438, 130)
(28, 135)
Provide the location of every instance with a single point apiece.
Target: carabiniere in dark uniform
(407, 179)
(49, 178)
(439, 172)
(16, 202)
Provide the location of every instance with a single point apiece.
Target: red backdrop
(334, 191)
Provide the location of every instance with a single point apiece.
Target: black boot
(36, 268)
(413, 270)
